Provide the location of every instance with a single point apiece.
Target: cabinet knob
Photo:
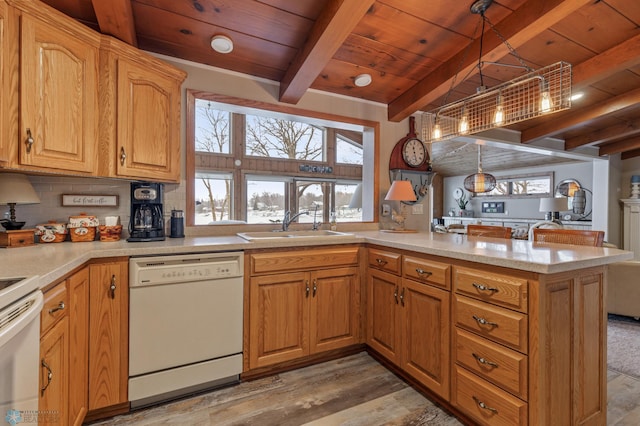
(112, 287)
(29, 141)
(315, 287)
(395, 294)
(123, 156)
(307, 289)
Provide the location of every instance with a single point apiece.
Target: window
(522, 186)
(250, 165)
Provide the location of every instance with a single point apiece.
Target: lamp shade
(401, 190)
(559, 204)
(16, 189)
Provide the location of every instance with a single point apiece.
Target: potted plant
(463, 201)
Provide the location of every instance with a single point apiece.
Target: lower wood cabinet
(64, 351)
(408, 316)
(301, 303)
(84, 345)
(109, 331)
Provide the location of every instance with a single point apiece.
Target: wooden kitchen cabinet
(9, 94)
(58, 92)
(140, 114)
(64, 351)
(408, 317)
(301, 303)
(108, 336)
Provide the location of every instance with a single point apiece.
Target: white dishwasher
(185, 324)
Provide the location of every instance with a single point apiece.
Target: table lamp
(15, 189)
(401, 190)
(552, 207)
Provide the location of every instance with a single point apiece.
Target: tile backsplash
(51, 188)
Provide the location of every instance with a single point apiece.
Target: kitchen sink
(281, 235)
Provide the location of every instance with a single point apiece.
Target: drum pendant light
(480, 182)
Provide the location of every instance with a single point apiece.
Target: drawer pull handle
(402, 296)
(422, 272)
(307, 289)
(112, 287)
(484, 406)
(57, 308)
(481, 360)
(483, 287)
(123, 156)
(395, 294)
(49, 377)
(483, 321)
(381, 262)
(315, 287)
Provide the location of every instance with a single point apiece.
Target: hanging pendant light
(480, 182)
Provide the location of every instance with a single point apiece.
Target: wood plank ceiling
(413, 49)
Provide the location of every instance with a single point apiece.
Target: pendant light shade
(480, 182)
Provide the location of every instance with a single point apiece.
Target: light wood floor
(354, 391)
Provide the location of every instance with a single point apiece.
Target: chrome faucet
(288, 218)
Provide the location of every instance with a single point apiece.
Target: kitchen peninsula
(536, 309)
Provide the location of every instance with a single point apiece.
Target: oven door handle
(29, 308)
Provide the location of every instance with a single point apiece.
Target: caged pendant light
(480, 182)
(533, 94)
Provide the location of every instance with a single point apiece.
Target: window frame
(522, 176)
(240, 173)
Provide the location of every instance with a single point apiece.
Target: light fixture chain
(512, 51)
(462, 60)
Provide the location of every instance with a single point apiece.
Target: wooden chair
(488, 231)
(569, 236)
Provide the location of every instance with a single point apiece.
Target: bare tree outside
(278, 138)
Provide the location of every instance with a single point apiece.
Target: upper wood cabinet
(58, 106)
(140, 114)
(9, 95)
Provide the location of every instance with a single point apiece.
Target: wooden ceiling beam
(115, 17)
(331, 29)
(528, 21)
(624, 55)
(621, 146)
(631, 154)
(609, 134)
(581, 117)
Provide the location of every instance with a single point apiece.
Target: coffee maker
(147, 220)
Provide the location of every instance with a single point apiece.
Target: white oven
(20, 304)
(185, 324)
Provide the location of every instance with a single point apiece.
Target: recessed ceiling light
(362, 80)
(577, 95)
(221, 44)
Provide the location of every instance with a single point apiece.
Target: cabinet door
(108, 333)
(334, 310)
(383, 322)
(78, 289)
(148, 130)
(9, 93)
(54, 371)
(279, 318)
(58, 98)
(426, 331)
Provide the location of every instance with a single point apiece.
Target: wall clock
(414, 153)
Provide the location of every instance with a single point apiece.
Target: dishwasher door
(174, 325)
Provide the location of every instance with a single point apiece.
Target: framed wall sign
(91, 200)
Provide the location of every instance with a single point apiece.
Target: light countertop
(54, 260)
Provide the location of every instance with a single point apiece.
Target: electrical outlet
(417, 209)
(386, 210)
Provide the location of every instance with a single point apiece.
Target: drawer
(503, 290)
(503, 367)
(485, 403)
(56, 302)
(427, 271)
(385, 260)
(498, 324)
(303, 260)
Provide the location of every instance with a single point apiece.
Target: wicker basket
(110, 233)
(82, 228)
(52, 232)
